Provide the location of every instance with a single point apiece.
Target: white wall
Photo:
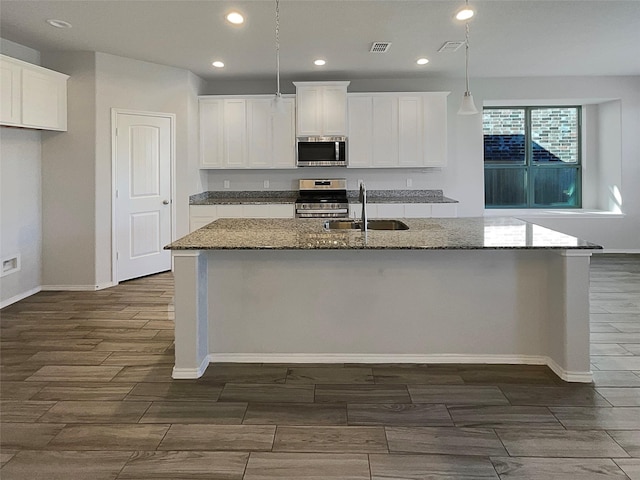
(20, 198)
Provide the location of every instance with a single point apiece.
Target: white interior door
(143, 194)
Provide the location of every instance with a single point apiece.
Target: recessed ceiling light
(319, 62)
(422, 61)
(465, 13)
(58, 23)
(218, 64)
(235, 17)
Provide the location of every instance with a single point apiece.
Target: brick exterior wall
(554, 133)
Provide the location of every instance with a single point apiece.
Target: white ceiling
(507, 37)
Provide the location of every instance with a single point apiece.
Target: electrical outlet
(265, 184)
(227, 184)
(409, 182)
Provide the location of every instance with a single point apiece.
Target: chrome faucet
(363, 200)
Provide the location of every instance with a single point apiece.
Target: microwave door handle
(337, 151)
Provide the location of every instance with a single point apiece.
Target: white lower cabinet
(405, 210)
(201, 215)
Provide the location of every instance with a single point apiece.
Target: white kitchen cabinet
(32, 96)
(405, 210)
(211, 133)
(235, 133)
(244, 132)
(397, 130)
(321, 108)
(201, 215)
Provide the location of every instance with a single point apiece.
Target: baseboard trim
(374, 358)
(567, 376)
(578, 377)
(20, 296)
(69, 288)
(631, 251)
(191, 373)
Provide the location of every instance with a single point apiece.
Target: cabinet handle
(165, 202)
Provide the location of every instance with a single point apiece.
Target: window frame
(529, 167)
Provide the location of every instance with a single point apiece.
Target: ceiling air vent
(451, 46)
(380, 47)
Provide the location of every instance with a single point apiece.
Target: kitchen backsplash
(375, 179)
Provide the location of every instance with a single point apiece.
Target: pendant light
(278, 103)
(467, 107)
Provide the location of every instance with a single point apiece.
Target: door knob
(165, 202)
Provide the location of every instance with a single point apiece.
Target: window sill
(550, 213)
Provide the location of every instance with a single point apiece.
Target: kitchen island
(464, 290)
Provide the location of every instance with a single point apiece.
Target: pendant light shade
(467, 107)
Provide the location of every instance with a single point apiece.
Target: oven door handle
(333, 210)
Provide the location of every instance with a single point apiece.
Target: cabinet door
(417, 210)
(259, 133)
(211, 133)
(284, 133)
(334, 110)
(435, 130)
(410, 132)
(44, 100)
(9, 93)
(360, 132)
(308, 111)
(445, 210)
(229, 211)
(235, 133)
(390, 210)
(268, 211)
(385, 131)
(201, 215)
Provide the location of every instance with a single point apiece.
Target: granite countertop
(424, 234)
(289, 196)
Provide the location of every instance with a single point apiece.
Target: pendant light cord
(277, 48)
(466, 63)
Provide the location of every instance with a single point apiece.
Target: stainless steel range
(322, 198)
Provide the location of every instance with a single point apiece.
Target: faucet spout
(363, 200)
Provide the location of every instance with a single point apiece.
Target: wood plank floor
(86, 393)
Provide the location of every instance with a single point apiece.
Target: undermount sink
(371, 225)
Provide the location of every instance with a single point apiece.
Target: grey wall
(69, 180)
(20, 198)
(129, 84)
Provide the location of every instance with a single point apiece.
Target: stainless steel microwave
(321, 151)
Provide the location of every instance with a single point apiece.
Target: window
(532, 157)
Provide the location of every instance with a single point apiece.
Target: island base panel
(467, 306)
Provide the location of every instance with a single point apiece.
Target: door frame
(114, 160)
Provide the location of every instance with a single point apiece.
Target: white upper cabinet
(321, 108)
(393, 130)
(32, 96)
(245, 132)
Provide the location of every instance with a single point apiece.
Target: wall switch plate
(409, 182)
(226, 184)
(265, 184)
